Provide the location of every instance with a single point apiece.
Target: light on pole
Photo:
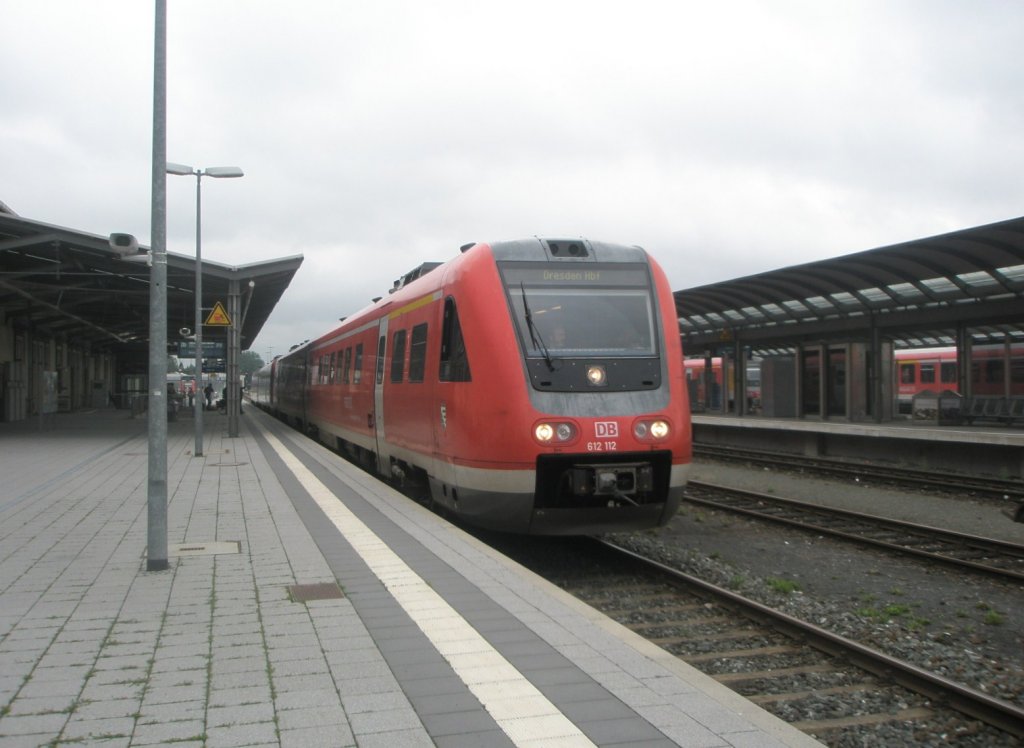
(219, 172)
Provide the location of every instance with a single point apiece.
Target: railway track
(966, 552)
(835, 689)
(1009, 490)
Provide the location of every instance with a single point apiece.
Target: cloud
(726, 138)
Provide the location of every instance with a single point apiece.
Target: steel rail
(1000, 488)
(989, 546)
(996, 712)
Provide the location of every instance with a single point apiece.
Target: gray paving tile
(355, 686)
(13, 726)
(426, 687)
(626, 730)
(457, 723)
(293, 719)
(81, 730)
(239, 649)
(305, 700)
(42, 705)
(222, 680)
(489, 738)
(323, 736)
(384, 720)
(180, 711)
(221, 716)
(445, 703)
(175, 694)
(234, 735)
(176, 732)
(283, 668)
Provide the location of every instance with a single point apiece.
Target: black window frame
(398, 338)
(418, 352)
(346, 365)
(454, 364)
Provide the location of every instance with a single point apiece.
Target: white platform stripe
(521, 711)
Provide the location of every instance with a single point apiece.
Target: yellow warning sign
(218, 316)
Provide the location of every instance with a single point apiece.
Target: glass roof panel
(1013, 273)
(940, 285)
(844, 298)
(978, 279)
(819, 302)
(906, 291)
(874, 294)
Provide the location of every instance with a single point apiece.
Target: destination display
(585, 275)
(211, 349)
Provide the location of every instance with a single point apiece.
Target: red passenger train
(537, 386)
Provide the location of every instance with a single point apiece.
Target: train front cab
(591, 397)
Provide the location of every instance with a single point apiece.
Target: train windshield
(598, 311)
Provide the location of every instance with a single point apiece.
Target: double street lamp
(218, 172)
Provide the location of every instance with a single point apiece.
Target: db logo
(606, 429)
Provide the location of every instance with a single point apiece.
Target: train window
(907, 373)
(606, 311)
(927, 373)
(418, 352)
(382, 344)
(397, 356)
(994, 371)
(454, 360)
(947, 372)
(345, 367)
(332, 378)
(1016, 370)
(357, 367)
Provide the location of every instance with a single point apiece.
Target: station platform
(306, 604)
(984, 448)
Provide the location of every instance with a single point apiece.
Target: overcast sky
(726, 138)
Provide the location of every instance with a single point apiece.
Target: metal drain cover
(302, 593)
(204, 548)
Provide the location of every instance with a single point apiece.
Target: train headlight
(564, 432)
(654, 430)
(555, 432)
(597, 376)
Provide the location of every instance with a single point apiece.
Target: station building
(74, 315)
(931, 329)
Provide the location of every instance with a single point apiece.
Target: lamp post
(218, 172)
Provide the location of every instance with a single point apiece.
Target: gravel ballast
(963, 626)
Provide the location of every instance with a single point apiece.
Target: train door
(383, 453)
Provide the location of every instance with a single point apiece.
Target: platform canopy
(63, 282)
(916, 294)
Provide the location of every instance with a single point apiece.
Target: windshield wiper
(535, 338)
